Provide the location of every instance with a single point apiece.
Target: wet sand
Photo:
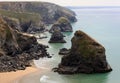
(11, 77)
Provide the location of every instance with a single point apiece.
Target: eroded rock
(62, 24)
(85, 56)
(18, 49)
(57, 37)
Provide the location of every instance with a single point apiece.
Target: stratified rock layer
(86, 56)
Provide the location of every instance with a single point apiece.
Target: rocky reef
(17, 49)
(62, 24)
(57, 37)
(85, 56)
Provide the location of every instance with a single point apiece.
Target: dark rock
(31, 27)
(62, 24)
(64, 51)
(57, 37)
(37, 29)
(18, 49)
(85, 56)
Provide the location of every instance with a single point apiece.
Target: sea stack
(57, 37)
(85, 56)
(62, 24)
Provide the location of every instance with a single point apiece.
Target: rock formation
(85, 56)
(33, 16)
(48, 12)
(64, 51)
(30, 27)
(62, 24)
(12, 22)
(57, 37)
(17, 49)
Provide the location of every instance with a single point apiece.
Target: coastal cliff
(48, 12)
(85, 56)
(17, 49)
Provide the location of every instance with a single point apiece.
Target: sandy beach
(11, 77)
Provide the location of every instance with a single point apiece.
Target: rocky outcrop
(57, 37)
(64, 51)
(86, 56)
(17, 49)
(62, 24)
(30, 27)
(49, 12)
(13, 23)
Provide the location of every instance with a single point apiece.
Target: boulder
(62, 24)
(57, 37)
(64, 51)
(86, 56)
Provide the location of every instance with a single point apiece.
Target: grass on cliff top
(23, 17)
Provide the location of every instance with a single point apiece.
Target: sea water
(102, 24)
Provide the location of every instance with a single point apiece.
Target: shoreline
(11, 77)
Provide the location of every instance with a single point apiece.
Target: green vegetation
(84, 45)
(86, 49)
(23, 17)
(63, 20)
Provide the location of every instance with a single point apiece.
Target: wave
(46, 79)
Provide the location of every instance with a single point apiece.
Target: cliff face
(7, 38)
(85, 56)
(17, 49)
(49, 12)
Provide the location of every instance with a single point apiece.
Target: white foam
(46, 79)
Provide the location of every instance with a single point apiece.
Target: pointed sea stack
(85, 56)
(57, 37)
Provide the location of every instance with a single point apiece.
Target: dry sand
(10, 77)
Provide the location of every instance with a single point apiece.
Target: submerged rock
(62, 24)
(57, 37)
(85, 56)
(17, 49)
(64, 51)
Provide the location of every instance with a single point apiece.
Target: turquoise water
(101, 24)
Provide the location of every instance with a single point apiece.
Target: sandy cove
(10, 77)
